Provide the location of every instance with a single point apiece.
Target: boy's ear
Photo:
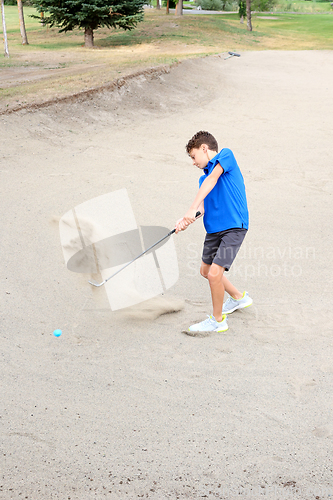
(204, 148)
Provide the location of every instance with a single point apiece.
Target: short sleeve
(225, 158)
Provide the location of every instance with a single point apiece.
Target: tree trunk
(168, 7)
(88, 37)
(179, 8)
(4, 28)
(42, 18)
(22, 23)
(248, 15)
(158, 6)
(242, 20)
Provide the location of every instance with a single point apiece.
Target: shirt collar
(211, 164)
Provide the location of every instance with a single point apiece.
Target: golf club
(231, 54)
(126, 265)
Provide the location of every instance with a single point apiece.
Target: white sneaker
(210, 325)
(231, 304)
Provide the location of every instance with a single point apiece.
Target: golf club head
(96, 284)
(232, 54)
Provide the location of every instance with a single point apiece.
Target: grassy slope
(56, 64)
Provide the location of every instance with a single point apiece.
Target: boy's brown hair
(200, 138)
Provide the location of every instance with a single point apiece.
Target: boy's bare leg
(231, 289)
(218, 285)
(214, 274)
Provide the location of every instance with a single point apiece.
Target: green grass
(209, 30)
(315, 28)
(57, 64)
(12, 21)
(41, 37)
(203, 30)
(313, 6)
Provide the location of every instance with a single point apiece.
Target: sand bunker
(128, 407)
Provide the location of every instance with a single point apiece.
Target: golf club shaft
(136, 258)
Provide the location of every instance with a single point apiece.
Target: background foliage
(70, 14)
(226, 5)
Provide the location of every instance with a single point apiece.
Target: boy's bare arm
(201, 209)
(206, 187)
(181, 225)
(198, 204)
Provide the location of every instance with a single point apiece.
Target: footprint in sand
(323, 432)
(301, 386)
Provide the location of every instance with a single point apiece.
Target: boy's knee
(213, 278)
(204, 270)
(215, 274)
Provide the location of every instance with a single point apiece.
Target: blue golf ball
(57, 333)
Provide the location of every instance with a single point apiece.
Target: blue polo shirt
(226, 205)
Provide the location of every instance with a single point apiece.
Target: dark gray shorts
(221, 248)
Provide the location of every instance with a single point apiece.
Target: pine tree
(90, 15)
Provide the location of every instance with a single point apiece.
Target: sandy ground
(122, 407)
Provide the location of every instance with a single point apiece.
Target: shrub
(14, 2)
(226, 5)
(172, 4)
(263, 5)
(210, 4)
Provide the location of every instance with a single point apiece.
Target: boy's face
(200, 156)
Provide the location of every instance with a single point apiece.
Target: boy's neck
(211, 154)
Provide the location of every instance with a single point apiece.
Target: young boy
(222, 200)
